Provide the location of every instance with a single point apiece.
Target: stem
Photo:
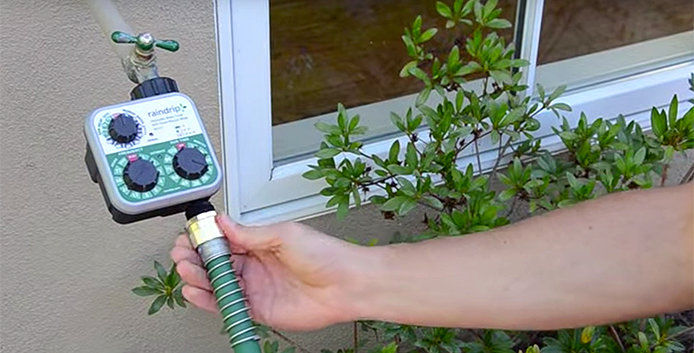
(289, 340)
(475, 139)
(500, 156)
(477, 154)
(414, 144)
(355, 334)
(616, 338)
(664, 176)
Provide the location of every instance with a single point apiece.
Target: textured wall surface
(65, 268)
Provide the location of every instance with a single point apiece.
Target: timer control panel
(151, 154)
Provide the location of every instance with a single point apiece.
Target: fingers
(248, 238)
(237, 263)
(201, 298)
(179, 254)
(183, 241)
(193, 274)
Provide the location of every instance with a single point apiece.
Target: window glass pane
(574, 28)
(325, 52)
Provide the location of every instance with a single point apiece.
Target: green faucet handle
(144, 41)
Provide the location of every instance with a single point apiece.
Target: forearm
(622, 256)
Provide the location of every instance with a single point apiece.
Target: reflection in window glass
(574, 28)
(325, 52)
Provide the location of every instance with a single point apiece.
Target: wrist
(366, 282)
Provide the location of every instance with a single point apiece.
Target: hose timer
(152, 156)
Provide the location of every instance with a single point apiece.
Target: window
(285, 64)
(591, 41)
(325, 52)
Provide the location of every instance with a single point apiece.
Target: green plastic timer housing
(151, 156)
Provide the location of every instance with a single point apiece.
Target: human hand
(295, 278)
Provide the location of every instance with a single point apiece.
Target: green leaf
(313, 174)
(420, 74)
(398, 170)
(411, 156)
(394, 203)
(498, 23)
(156, 305)
(573, 181)
(672, 111)
(557, 92)
(270, 347)
(406, 186)
(428, 34)
(503, 77)
(562, 106)
(152, 282)
(409, 45)
(443, 10)
(433, 202)
(178, 297)
(327, 153)
(489, 6)
(394, 152)
(639, 156)
(354, 122)
(326, 128)
(643, 340)
(658, 123)
(453, 57)
(161, 271)
(342, 210)
(406, 69)
(144, 291)
(422, 97)
(173, 279)
(417, 26)
(507, 194)
(407, 206)
(397, 121)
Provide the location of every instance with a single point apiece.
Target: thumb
(247, 238)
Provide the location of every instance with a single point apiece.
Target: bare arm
(620, 257)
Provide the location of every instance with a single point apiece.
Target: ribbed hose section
(232, 305)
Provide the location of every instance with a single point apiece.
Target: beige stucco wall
(66, 268)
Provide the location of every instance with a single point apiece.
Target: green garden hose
(213, 249)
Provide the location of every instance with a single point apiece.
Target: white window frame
(259, 190)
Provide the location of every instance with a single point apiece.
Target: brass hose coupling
(203, 228)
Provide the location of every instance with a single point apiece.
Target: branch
(289, 340)
(475, 139)
(616, 338)
(477, 154)
(500, 156)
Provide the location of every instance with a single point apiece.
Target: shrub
(437, 165)
(424, 169)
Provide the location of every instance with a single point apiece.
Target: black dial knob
(140, 175)
(123, 128)
(189, 163)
